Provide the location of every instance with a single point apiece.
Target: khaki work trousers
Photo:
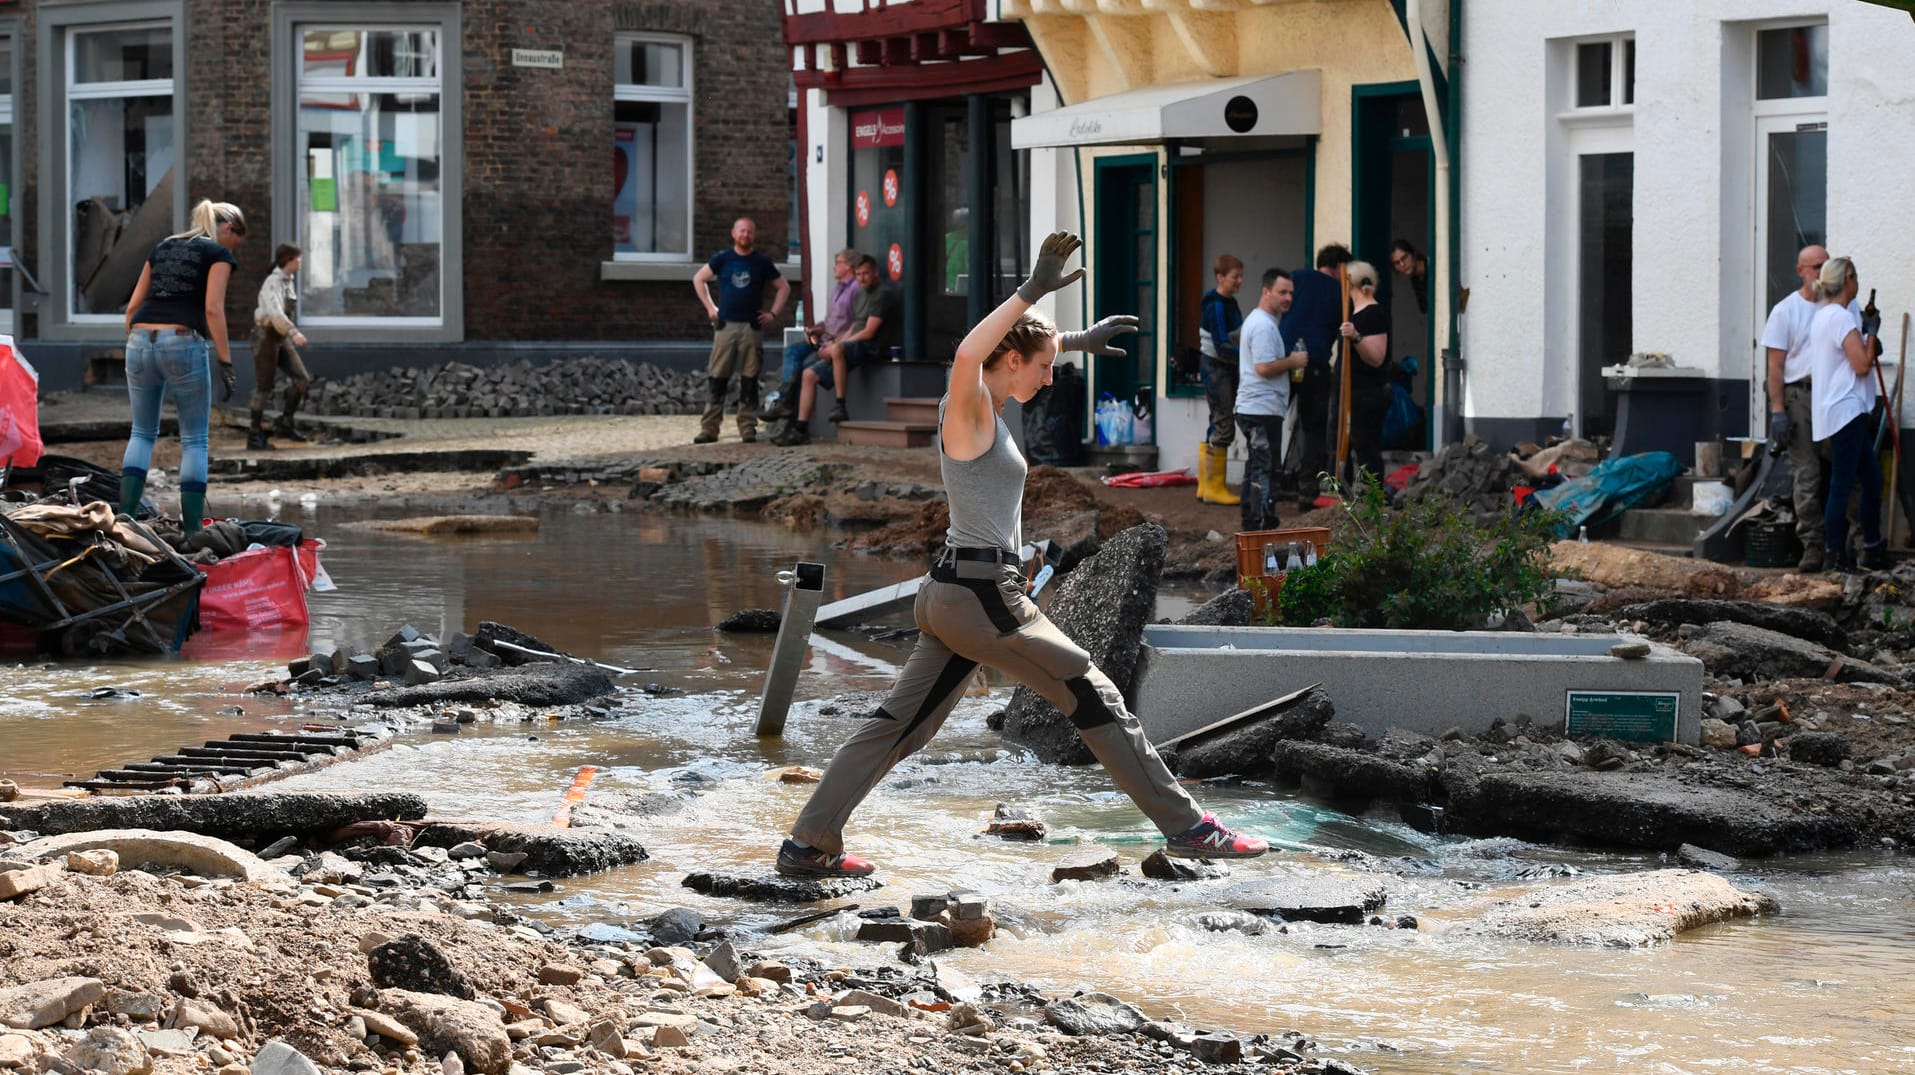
(1806, 459)
(974, 613)
(736, 348)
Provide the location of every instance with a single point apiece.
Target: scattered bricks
(927, 908)
(1089, 863)
(433, 657)
(298, 667)
(339, 661)
(418, 672)
(363, 667)
(872, 1001)
(968, 905)
(560, 974)
(403, 635)
(393, 660)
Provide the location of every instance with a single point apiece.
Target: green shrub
(1424, 566)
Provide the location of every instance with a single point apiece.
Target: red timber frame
(907, 51)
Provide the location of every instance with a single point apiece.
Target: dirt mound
(1053, 498)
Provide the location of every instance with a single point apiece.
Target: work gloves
(1872, 326)
(1781, 431)
(1097, 338)
(228, 380)
(1047, 274)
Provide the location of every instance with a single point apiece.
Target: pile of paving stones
(515, 390)
(409, 656)
(748, 486)
(1472, 475)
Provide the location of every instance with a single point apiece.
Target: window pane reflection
(389, 53)
(122, 55)
(651, 166)
(370, 204)
(121, 171)
(649, 63)
(1792, 62)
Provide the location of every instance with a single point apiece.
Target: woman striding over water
(975, 610)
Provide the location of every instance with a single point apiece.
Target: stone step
(1662, 526)
(922, 409)
(886, 434)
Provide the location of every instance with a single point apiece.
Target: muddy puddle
(1821, 987)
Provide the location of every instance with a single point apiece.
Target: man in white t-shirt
(1786, 339)
(1263, 395)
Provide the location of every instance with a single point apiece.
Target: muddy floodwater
(1823, 986)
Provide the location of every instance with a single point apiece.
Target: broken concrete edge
(255, 817)
(549, 851)
(191, 852)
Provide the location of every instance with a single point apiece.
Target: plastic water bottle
(1309, 554)
(1295, 560)
(1582, 534)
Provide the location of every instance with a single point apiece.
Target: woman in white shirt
(1843, 397)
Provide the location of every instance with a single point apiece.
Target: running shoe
(797, 860)
(1210, 839)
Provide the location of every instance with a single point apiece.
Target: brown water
(1821, 987)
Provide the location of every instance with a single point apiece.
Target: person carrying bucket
(975, 611)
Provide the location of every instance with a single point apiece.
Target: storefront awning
(1257, 106)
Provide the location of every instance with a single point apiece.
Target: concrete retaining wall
(1425, 681)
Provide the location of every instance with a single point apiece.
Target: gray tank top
(986, 493)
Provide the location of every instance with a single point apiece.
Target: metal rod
(807, 583)
(530, 652)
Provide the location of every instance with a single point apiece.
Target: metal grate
(238, 761)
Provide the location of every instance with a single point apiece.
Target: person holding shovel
(975, 610)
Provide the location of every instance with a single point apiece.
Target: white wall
(1694, 169)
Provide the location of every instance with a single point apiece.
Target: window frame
(53, 77)
(290, 20)
(1622, 86)
(1760, 106)
(685, 95)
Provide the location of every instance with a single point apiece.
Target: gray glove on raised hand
(1097, 338)
(1047, 273)
(1781, 431)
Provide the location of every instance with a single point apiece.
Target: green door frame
(1117, 276)
(1369, 168)
(1179, 166)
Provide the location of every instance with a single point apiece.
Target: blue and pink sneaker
(797, 860)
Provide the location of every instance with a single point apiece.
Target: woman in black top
(1368, 331)
(175, 324)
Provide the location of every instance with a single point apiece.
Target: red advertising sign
(864, 208)
(890, 187)
(894, 261)
(883, 127)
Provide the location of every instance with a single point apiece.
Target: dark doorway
(1606, 185)
(1125, 276)
(1394, 197)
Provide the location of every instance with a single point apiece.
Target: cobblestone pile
(750, 485)
(1469, 473)
(515, 390)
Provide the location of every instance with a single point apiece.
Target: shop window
(1606, 73)
(1792, 61)
(121, 149)
(879, 192)
(369, 144)
(652, 147)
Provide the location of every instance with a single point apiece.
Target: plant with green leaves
(1427, 565)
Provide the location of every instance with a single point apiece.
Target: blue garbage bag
(1402, 420)
(1616, 485)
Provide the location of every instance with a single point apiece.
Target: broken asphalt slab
(242, 817)
(771, 888)
(550, 852)
(1620, 911)
(1727, 649)
(534, 685)
(1337, 899)
(1807, 623)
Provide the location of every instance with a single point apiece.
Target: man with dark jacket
(1315, 314)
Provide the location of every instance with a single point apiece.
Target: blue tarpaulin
(1615, 486)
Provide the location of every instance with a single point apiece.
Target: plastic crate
(1250, 545)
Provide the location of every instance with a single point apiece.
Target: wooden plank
(1262, 709)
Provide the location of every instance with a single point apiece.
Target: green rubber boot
(132, 488)
(192, 509)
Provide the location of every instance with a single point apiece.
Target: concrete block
(141, 848)
(1423, 681)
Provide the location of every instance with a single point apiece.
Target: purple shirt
(838, 314)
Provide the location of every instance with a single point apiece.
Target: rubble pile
(519, 389)
(1469, 473)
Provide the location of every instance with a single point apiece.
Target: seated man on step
(875, 329)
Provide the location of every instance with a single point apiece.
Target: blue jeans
(795, 359)
(1852, 452)
(158, 360)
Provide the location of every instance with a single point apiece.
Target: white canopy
(1254, 106)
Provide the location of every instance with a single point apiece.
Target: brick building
(442, 162)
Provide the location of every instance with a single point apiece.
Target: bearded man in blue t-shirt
(737, 318)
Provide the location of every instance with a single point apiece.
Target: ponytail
(208, 215)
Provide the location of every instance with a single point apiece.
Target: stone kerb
(1423, 681)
